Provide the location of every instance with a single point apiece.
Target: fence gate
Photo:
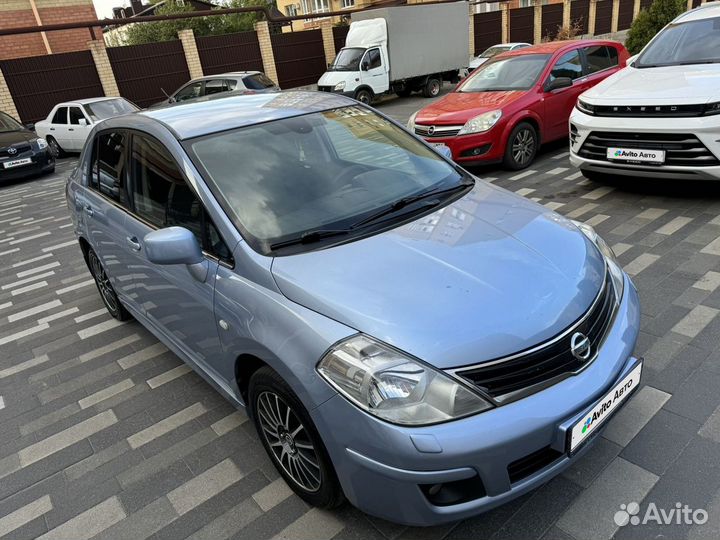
(487, 28)
(38, 83)
(625, 14)
(142, 72)
(603, 17)
(645, 4)
(339, 35)
(552, 19)
(522, 24)
(579, 14)
(229, 52)
(299, 57)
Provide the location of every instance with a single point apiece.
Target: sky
(104, 7)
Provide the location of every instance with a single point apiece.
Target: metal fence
(487, 29)
(625, 14)
(580, 14)
(299, 57)
(522, 24)
(142, 72)
(230, 52)
(339, 35)
(38, 83)
(552, 19)
(603, 17)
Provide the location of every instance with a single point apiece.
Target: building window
(292, 10)
(348, 4)
(321, 6)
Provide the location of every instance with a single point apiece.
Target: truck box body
(422, 39)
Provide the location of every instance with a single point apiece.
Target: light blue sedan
(404, 335)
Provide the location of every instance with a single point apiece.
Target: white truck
(400, 50)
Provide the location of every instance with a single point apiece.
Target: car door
(105, 207)
(372, 70)
(176, 303)
(559, 103)
(601, 61)
(59, 127)
(78, 128)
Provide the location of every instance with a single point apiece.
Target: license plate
(17, 163)
(604, 409)
(636, 155)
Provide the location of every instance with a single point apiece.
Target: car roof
(706, 11)
(229, 74)
(552, 47)
(231, 111)
(87, 100)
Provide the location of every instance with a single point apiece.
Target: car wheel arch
(525, 116)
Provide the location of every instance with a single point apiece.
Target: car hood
(14, 137)
(459, 107)
(489, 275)
(331, 78)
(671, 85)
(476, 62)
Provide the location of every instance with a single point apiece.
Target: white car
(660, 116)
(486, 55)
(69, 123)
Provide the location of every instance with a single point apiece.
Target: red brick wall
(19, 46)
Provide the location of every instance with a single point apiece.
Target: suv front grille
(647, 111)
(437, 131)
(509, 379)
(680, 148)
(21, 149)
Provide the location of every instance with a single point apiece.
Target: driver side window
(190, 91)
(372, 59)
(568, 65)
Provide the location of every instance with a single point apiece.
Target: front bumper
(382, 467)
(706, 129)
(42, 161)
(475, 148)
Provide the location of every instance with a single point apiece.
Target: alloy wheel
(523, 146)
(289, 441)
(103, 283)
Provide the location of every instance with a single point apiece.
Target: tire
(55, 148)
(300, 458)
(364, 96)
(105, 288)
(432, 87)
(405, 92)
(522, 146)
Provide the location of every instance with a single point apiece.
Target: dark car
(22, 152)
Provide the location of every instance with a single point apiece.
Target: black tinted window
(372, 60)
(258, 81)
(601, 57)
(75, 115)
(568, 65)
(215, 86)
(190, 91)
(60, 116)
(164, 199)
(109, 175)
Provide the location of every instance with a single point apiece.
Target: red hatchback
(508, 106)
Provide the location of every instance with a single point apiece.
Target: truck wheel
(521, 147)
(364, 96)
(432, 87)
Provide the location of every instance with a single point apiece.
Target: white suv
(660, 116)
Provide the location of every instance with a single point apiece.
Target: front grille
(21, 149)
(680, 148)
(509, 379)
(532, 463)
(437, 131)
(325, 88)
(649, 111)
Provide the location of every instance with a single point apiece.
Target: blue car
(404, 335)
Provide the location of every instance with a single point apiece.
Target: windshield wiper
(310, 237)
(405, 201)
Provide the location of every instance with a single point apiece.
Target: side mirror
(30, 126)
(82, 122)
(176, 245)
(556, 84)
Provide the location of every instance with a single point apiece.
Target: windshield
(326, 170)
(9, 124)
(494, 51)
(514, 73)
(109, 108)
(693, 42)
(347, 60)
(258, 81)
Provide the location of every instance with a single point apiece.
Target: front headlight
(42, 143)
(411, 121)
(339, 86)
(393, 386)
(480, 123)
(585, 107)
(616, 273)
(712, 108)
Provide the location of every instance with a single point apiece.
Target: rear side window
(231, 84)
(258, 81)
(60, 116)
(109, 175)
(600, 57)
(215, 86)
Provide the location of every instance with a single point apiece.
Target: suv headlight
(42, 143)
(616, 273)
(480, 123)
(585, 107)
(391, 385)
(712, 108)
(411, 121)
(339, 86)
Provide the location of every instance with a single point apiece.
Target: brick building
(19, 13)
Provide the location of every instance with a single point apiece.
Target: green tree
(650, 21)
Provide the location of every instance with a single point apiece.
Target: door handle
(133, 243)
(71, 129)
(89, 211)
(52, 129)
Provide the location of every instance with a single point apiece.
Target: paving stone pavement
(104, 434)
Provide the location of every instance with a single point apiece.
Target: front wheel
(55, 148)
(364, 96)
(522, 146)
(291, 440)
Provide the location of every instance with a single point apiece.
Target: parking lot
(104, 432)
